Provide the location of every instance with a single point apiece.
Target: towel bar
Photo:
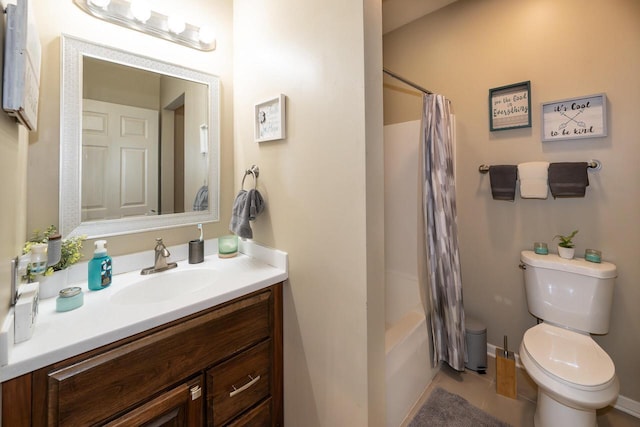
(593, 164)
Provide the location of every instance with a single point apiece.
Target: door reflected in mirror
(141, 131)
(139, 142)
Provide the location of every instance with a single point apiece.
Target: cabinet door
(180, 406)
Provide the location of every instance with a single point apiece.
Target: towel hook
(594, 164)
(255, 171)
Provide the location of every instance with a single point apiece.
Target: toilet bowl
(575, 376)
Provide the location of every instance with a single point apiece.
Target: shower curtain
(441, 272)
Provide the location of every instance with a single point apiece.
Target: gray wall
(567, 49)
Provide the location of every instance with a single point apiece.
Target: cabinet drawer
(260, 416)
(239, 383)
(96, 388)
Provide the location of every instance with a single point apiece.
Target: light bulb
(140, 10)
(206, 35)
(176, 24)
(100, 3)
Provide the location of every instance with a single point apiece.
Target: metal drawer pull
(244, 387)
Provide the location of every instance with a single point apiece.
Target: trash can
(476, 340)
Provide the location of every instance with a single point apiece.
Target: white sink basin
(165, 286)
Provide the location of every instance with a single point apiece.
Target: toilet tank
(573, 293)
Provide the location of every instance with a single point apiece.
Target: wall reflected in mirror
(141, 132)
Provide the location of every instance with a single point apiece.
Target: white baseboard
(624, 404)
(491, 351)
(631, 407)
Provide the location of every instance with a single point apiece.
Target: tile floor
(480, 390)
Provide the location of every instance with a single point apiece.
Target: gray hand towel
(240, 216)
(503, 181)
(568, 179)
(256, 204)
(246, 207)
(201, 202)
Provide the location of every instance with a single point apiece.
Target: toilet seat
(570, 357)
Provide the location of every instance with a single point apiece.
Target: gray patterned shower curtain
(445, 310)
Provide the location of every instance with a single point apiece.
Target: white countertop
(101, 321)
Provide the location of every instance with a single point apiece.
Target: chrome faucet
(161, 255)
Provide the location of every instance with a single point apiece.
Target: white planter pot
(566, 253)
(50, 286)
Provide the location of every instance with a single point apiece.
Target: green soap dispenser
(100, 267)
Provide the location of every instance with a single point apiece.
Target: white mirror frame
(72, 51)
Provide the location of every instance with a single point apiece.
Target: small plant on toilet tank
(566, 246)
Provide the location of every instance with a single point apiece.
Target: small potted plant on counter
(566, 246)
(54, 276)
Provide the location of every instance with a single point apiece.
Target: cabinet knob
(196, 392)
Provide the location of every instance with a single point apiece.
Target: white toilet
(575, 376)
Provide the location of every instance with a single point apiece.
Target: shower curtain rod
(408, 82)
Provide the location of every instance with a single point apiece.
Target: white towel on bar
(533, 180)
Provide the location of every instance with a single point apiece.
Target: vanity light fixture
(176, 24)
(100, 3)
(137, 15)
(140, 10)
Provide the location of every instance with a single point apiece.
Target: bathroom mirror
(139, 142)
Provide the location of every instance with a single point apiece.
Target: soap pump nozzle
(100, 247)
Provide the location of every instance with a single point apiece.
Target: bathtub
(408, 361)
(408, 369)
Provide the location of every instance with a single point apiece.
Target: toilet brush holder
(506, 372)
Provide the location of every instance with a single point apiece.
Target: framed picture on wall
(22, 60)
(510, 106)
(269, 119)
(574, 118)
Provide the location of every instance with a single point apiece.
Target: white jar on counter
(38, 258)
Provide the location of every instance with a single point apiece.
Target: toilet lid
(570, 356)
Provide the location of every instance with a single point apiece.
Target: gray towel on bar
(256, 204)
(201, 202)
(503, 181)
(246, 207)
(568, 179)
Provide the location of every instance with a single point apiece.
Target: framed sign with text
(510, 106)
(574, 118)
(269, 119)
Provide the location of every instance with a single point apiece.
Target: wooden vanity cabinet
(222, 366)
